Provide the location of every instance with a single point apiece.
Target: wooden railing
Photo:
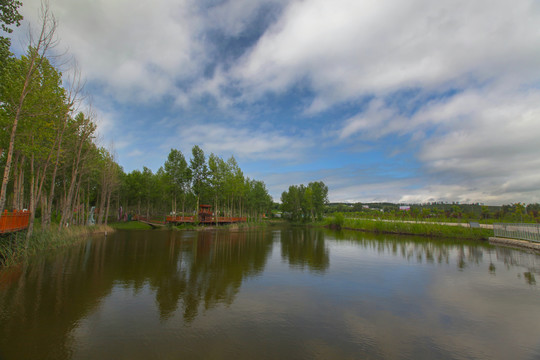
(15, 221)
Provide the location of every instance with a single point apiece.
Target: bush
(336, 221)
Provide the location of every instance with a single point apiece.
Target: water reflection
(203, 268)
(45, 300)
(305, 248)
(441, 251)
(367, 292)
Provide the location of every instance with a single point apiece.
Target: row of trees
(517, 212)
(302, 203)
(53, 167)
(179, 186)
(50, 162)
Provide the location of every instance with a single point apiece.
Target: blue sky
(389, 100)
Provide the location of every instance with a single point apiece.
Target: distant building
(405, 207)
(365, 206)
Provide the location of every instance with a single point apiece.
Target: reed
(15, 248)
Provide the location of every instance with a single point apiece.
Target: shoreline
(515, 243)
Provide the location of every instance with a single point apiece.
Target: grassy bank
(130, 225)
(15, 248)
(338, 221)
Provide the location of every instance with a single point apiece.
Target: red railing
(187, 219)
(207, 220)
(15, 221)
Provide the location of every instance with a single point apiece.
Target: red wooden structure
(15, 221)
(206, 216)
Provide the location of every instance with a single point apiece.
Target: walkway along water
(517, 235)
(205, 216)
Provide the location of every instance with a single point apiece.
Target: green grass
(409, 228)
(130, 225)
(15, 248)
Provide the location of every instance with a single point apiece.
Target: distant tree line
(517, 212)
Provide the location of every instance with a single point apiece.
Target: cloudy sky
(383, 100)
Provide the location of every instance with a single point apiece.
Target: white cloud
(243, 142)
(136, 50)
(483, 148)
(479, 143)
(350, 48)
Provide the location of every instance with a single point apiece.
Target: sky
(383, 100)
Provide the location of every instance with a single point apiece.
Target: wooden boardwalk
(205, 217)
(14, 221)
(205, 220)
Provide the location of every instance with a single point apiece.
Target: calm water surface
(278, 293)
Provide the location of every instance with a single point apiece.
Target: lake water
(276, 293)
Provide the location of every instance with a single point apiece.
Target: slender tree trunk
(74, 173)
(103, 199)
(108, 204)
(20, 189)
(47, 216)
(32, 202)
(15, 198)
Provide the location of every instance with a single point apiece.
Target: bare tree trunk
(103, 199)
(20, 189)
(86, 132)
(108, 204)
(46, 217)
(15, 198)
(32, 202)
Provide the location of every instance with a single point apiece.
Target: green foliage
(214, 182)
(303, 203)
(9, 14)
(335, 221)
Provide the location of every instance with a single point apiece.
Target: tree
(305, 203)
(319, 192)
(199, 172)
(179, 175)
(9, 15)
(37, 52)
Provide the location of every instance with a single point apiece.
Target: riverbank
(515, 243)
(338, 221)
(15, 248)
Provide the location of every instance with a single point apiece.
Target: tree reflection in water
(44, 303)
(44, 300)
(303, 247)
